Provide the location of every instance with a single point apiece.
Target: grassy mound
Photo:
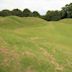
(66, 21)
(34, 45)
(13, 22)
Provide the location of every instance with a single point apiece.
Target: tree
(5, 13)
(53, 15)
(26, 13)
(35, 14)
(68, 10)
(63, 14)
(0, 13)
(17, 12)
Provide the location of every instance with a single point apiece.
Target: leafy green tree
(63, 14)
(26, 13)
(17, 12)
(53, 15)
(35, 14)
(48, 16)
(68, 10)
(5, 13)
(0, 13)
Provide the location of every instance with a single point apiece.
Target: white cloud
(39, 5)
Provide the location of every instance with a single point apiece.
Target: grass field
(35, 45)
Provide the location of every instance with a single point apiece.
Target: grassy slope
(34, 45)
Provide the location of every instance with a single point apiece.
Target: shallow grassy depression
(35, 45)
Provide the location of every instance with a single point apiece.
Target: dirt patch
(5, 54)
(4, 50)
(28, 53)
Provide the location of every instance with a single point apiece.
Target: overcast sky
(38, 5)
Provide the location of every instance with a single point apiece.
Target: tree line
(17, 12)
(65, 12)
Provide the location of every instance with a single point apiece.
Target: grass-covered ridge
(14, 22)
(35, 45)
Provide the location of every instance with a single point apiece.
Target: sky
(42, 6)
